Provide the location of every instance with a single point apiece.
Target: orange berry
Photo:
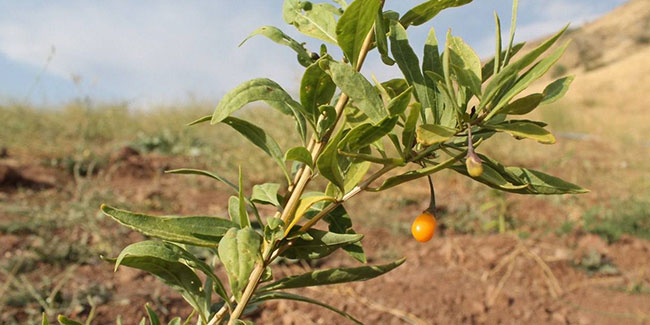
(424, 227)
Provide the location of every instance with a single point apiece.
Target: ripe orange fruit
(424, 227)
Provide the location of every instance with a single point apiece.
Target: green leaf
(66, 321)
(524, 129)
(556, 89)
(408, 133)
(381, 28)
(524, 105)
(408, 63)
(354, 25)
(430, 134)
(395, 86)
(233, 209)
(316, 89)
(415, 174)
(467, 65)
(304, 205)
(273, 230)
(540, 183)
(355, 173)
(366, 134)
(172, 253)
(194, 230)
(189, 171)
(315, 20)
(244, 220)
(259, 138)
(332, 276)
(252, 91)
(153, 318)
(322, 243)
(300, 154)
(278, 36)
(511, 70)
(357, 87)
(44, 320)
(175, 321)
(328, 161)
(488, 68)
(373, 159)
(534, 73)
(289, 296)
(165, 263)
(340, 222)
(521, 180)
(398, 104)
(266, 193)
(422, 13)
(239, 251)
(328, 121)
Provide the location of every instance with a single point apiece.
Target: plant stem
(296, 192)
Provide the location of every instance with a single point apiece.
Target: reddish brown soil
(452, 279)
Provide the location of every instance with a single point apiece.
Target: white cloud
(144, 50)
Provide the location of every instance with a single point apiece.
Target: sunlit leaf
(422, 13)
(430, 134)
(266, 193)
(239, 251)
(278, 36)
(524, 129)
(556, 89)
(321, 244)
(289, 296)
(193, 230)
(354, 25)
(315, 20)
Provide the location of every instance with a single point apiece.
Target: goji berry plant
(446, 104)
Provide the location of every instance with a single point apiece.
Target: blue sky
(155, 51)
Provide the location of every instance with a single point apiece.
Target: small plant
(433, 118)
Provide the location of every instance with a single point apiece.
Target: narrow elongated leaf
(540, 183)
(304, 205)
(188, 171)
(357, 87)
(430, 134)
(422, 13)
(488, 68)
(340, 222)
(316, 89)
(354, 25)
(289, 296)
(244, 220)
(373, 159)
(408, 63)
(556, 89)
(328, 161)
(524, 105)
(467, 64)
(332, 276)
(171, 253)
(524, 129)
(510, 71)
(233, 209)
(164, 263)
(321, 244)
(415, 174)
(398, 104)
(355, 173)
(278, 36)
(252, 91)
(153, 318)
(194, 230)
(300, 154)
(366, 134)
(266, 193)
(408, 133)
(522, 180)
(239, 251)
(381, 29)
(315, 20)
(259, 138)
(66, 321)
(534, 73)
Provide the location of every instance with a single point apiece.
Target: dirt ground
(455, 278)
